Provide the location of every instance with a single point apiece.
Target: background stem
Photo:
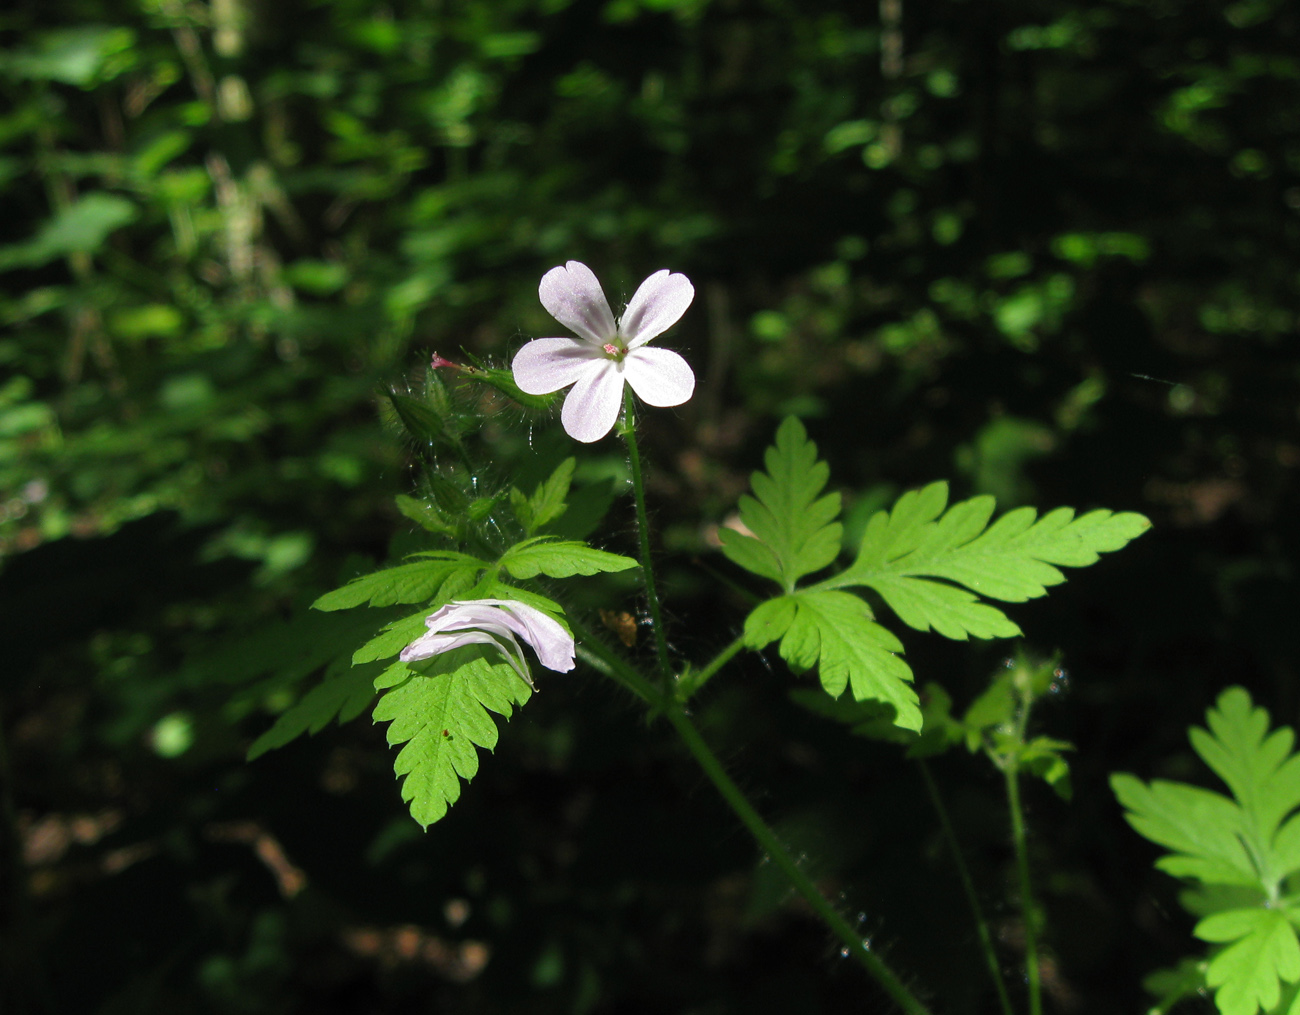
(968, 886)
(1027, 908)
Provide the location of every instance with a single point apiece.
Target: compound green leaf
(560, 559)
(442, 573)
(343, 694)
(1016, 558)
(394, 637)
(951, 611)
(769, 621)
(440, 711)
(1259, 769)
(1199, 826)
(835, 632)
(794, 529)
(1241, 851)
(547, 502)
(1261, 950)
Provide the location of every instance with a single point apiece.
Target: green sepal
(423, 423)
(426, 515)
(504, 382)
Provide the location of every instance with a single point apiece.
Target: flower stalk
(643, 531)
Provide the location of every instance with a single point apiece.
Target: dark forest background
(1045, 248)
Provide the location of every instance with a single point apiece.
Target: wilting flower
(495, 622)
(609, 351)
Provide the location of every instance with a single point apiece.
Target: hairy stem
(968, 886)
(643, 530)
(608, 661)
(1027, 909)
(692, 682)
(771, 845)
(601, 657)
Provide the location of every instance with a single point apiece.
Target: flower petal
(592, 406)
(552, 643)
(549, 364)
(435, 643)
(574, 297)
(655, 307)
(659, 376)
(499, 637)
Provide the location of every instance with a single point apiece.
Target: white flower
(609, 352)
(495, 622)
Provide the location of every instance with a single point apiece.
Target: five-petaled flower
(609, 351)
(495, 622)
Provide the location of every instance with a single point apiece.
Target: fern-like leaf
(560, 559)
(548, 501)
(794, 529)
(1242, 851)
(343, 694)
(917, 555)
(835, 632)
(440, 710)
(441, 572)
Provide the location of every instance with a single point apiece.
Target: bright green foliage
(547, 502)
(835, 632)
(902, 551)
(1261, 948)
(560, 559)
(1014, 559)
(425, 515)
(439, 709)
(1249, 843)
(794, 530)
(395, 636)
(442, 573)
(1170, 986)
(343, 695)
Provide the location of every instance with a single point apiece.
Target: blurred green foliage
(1048, 249)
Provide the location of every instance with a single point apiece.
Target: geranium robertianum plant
(446, 655)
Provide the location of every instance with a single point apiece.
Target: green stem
(692, 682)
(768, 841)
(643, 530)
(968, 886)
(610, 663)
(1027, 910)
(601, 657)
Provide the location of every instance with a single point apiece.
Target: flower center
(615, 352)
